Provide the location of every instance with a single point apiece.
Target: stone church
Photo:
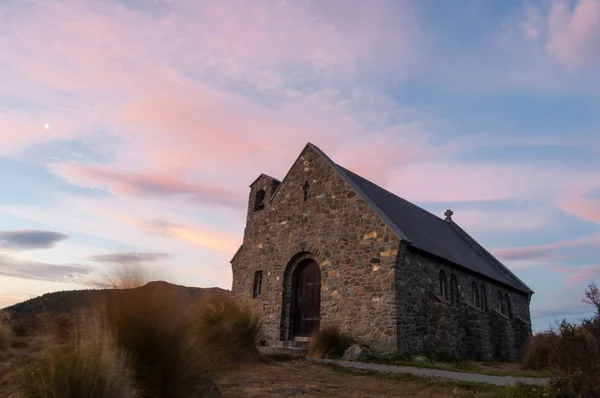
(326, 247)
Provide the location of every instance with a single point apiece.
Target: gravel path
(446, 374)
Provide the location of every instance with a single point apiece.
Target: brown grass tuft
(88, 365)
(329, 343)
(227, 330)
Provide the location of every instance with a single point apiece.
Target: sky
(131, 129)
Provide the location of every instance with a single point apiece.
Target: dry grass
(88, 365)
(329, 342)
(230, 330)
(306, 379)
(6, 335)
(148, 342)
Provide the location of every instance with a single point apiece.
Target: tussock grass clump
(168, 360)
(226, 329)
(329, 342)
(540, 349)
(89, 365)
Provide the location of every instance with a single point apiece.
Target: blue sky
(136, 127)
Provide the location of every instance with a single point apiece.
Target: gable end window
(256, 290)
(259, 200)
(305, 188)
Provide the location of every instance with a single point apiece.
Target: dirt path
(303, 378)
(445, 374)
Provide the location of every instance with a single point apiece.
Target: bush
(576, 360)
(329, 343)
(228, 331)
(539, 350)
(89, 365)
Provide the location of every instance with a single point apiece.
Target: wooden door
(307, 298)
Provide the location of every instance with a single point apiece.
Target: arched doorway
(301, 301)
(306, 298)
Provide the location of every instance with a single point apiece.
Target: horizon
(130, 130)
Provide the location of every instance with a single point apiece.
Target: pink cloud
(582, 207)
(549, 252)
(573, 34)
(144, 185)
(580, 274)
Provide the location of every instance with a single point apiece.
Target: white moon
(47, 126)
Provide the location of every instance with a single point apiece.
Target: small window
(257, 284)
(475, 295)
(484, 305)
(454, 290)
(305, 190)
(443, 285)
(507, 305)
(500, 302)
(259, 202)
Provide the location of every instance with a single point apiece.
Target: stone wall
(355, 250)
(464, 330)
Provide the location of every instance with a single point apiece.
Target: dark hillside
(69, 302)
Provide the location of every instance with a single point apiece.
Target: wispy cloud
(129, 258)
(554, 252)
(144, 185)
(30, 239)
(41, 271)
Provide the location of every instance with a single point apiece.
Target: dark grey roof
(433, 235)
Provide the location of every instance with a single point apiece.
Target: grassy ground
(306, 379)
(487, 368)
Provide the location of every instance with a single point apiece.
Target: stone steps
(289, 348)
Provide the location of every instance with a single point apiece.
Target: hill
(66, 303)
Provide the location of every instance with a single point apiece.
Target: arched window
(259, 201)
(507, 305)
(484, 305)
(443, 285)
(475, 295)
(453, 290)
(305, 190)
(500, 302)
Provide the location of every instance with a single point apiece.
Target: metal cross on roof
(448, 215)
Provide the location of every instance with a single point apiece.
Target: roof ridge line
(392, 193)
(487, 255)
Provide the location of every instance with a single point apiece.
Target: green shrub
(89, 365)
(329, 343)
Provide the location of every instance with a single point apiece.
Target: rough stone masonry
(326, 247)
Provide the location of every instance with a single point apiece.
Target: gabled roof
(427, 232)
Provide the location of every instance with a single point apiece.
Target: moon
(47, 126)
